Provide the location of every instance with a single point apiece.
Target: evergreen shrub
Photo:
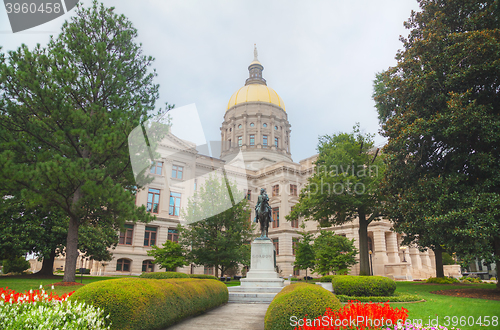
(202, 276)
(469, 280)
(164, 275)
(363, 286)
(442, 280)
(15, 265)
(327, 278)
(147, 304)
(298, 300)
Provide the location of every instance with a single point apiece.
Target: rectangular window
(153, 200)
(126, 236)
(208, 270)
(122, 265)
(295, 241)
(252, 139)
(296, 271)
(276, 142)
(240, 141)
(173, 235)
(175, 204)
(264, 141)
(293, 190)
(276, 244)
(195, 184)
(150, 236)
(156, 167)
(177, 171)
(147, 266)
(276, 217)
(249, 194)
(276, 190)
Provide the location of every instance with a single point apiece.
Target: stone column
(246, 139)
(258, 138)
(233, 135)
(415, 258)
(432, 257)
(379, 257)
(392, 247)
(271, 143)
(283, 144)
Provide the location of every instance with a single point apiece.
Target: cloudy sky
(319, 56)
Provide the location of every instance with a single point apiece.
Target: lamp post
(371, 262)
(404, 252)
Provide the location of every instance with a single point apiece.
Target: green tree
(25, 230)
(43, 233)
(220, 240)
(304, 252)
(15, 265)
(439, 108)
(333, 253)
(170, 256)
(344, 186)
(66, 113)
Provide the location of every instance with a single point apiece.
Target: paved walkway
(231, 316)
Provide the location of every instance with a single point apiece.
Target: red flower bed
(11, 296)
(356, 315)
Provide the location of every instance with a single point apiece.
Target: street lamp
(371, 262)
(404, 254)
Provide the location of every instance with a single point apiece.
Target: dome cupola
(256, 123)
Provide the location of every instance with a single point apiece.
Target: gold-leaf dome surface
(255, 93)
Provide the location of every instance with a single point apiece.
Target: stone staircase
(242, 295)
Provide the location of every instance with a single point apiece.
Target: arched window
(123, 265)
(148, 266)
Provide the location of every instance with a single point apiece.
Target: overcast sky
(320, 56)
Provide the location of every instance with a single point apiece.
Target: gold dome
(255, 93)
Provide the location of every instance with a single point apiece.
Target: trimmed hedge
(363, 286)
(137, 303)
(298, 300)
(164, 275)
(398, 297)
(442, 280)
(202, 276)
(327, 278)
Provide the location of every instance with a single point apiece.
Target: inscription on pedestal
(261, 256)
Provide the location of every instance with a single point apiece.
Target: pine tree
(66, 113)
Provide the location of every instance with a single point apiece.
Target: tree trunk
(364, 262)
(71, 251)
(48, 264)
(72, 238)
(216, 271)
(438, 253)
(497, 262)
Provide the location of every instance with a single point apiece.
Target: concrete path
(231, 316)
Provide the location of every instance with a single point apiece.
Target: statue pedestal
(262, 272)
(262, 282)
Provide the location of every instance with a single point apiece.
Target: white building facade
(255, 123)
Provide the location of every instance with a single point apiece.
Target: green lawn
(439, 306)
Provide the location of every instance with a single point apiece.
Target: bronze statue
(263, 213)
